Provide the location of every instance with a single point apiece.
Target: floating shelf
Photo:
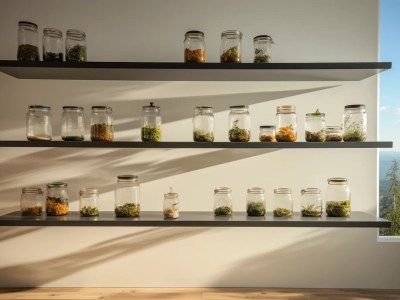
(166, 71)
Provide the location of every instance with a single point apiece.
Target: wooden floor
(195, 294)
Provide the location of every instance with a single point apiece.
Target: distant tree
(393, 216)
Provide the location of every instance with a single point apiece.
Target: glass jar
(101, 127)
(127, 196)
(75, 45)
(53, 45)
(171, 205)
(338, 198)
(151, 123)
(239, 123)
(315, 127)
(255, 202)
(333, 134)
(286, 123)
(89, 202)
(203, 124)
(282, 202)
(267, 133)
(27, 41)
(72, 124)
(31, 201)
(311, 202)
(231, 46)
(57, 199)
(195, 47)
(262, 48)
(38, 123)
(223, 201)
(355, 123)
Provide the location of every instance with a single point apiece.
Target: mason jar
(286, 123)
(101, 124)
(127, 196)
(231, 46)
(57, 199)
(89, 202)
(151, 123)
(315, 127)
(72, 123)
(75, 45)
(262, 48)
(355, 123)
(223, 201)
(255, 200)
(195, 47)
(38, 123)
(171, 205)
(282, 202)
(333, 134)
(311, 202)
(267, 133)
(338, 198)
(203, 124)
(27, 41)
(53, 46)
(31, 201)
(239, 123)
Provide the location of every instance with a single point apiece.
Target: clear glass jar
(171, 205)
(231, 46)
(315, 127)
(75, 45)
(338, 198)
(57, 199)
(282, 202)
(223, 201)
(53, 46)
(333, 134)
(127, 196)
(286, 123)
(203, 124)
(267, 133)
(89, 202)
(31, 201)
(151, 123)
(72, 123)
(101, 124)
(239, 123)
(195, 47)
(311, 202)
(355, 123)
(255, 202)
(38, 123)
(262, 48)
(27, 41)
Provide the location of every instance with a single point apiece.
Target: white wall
(304, 31)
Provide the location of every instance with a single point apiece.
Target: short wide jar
(38, 123)
(255, 202)
(338, 198)
(31, 201)
(311, 202)
(89, 202)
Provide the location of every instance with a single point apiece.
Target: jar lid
(239, 106)
(194, 32)
(76, 34)
(355, 106)
(268, 126)
(334, 127)
(263, 37)
(57, 185)
(315, 115)
(255, 190)
(311, 191)
(231, 33)
(40, 107)
(100, 107)
(204, 107)
(223, 190)
(337, 180)
(27, 23)
(283, 191)
(73, 107)
(88, 191)
(171, 194)
(286, 109)
(151, 106)
(35, 190)
(52, 32)
(128, 177)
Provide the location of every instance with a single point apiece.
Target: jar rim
(235, 33)
(73, 107)
(255, 190)
(40, 107)
(88, 191)
(127, 177)
(197, 32)
(52, 31)
(239, 106)
(57, 184)
(311, 191)
(32, 190)
(282, 191)
(337, 180)
(356, 106)
(263, 37)
(204, 107)
(334, 127)
(27, 23)
(76, 33)
(268, 126)
(223, 190)
(286, 109)
(315, 115)
(100, 107)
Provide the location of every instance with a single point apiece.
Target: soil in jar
(231, 55)
(286, 134)
(171, 212)
(73, 138)
(223, 211)
(89, 211)
(311, 210)
(261, 57)
(355, 135)
(56, 206)
(76, 53)
(102, 132)
(151, 134)
(32, 211)
(237, 134)
(127, 210)
(39, 138)
(195, 56)
(28, 52)
(318, 136)
(267, 138)
(200, 136)
(282, 212)
(333, 137)
(255, 209)
(338, 208)
(51, 56)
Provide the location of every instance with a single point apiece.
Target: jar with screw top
(355, 123)
(195, 47)
(311, 202)
(333, 134)
(151, 123)
(287, 123)
(315, 127)
(267, 133)
(223, 201)
(255, 202)
(89, 202)
(231, 46)
(203, 124)
(27, 41)
(127, 196)
(239, 123)
(101, 124)
(72, 123)
(338, 198)
(282, 202)
(53, 46)
(262, 48)
(31, 201)
(57, 199)
(171, 205)
(38, 123)
(75, 45)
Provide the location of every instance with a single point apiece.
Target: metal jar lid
(286, 109)
(263, 37)
(57, 185)
(127, 177)
(282, 191)
(222, 190)
(337, 180)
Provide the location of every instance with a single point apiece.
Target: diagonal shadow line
(16, 232)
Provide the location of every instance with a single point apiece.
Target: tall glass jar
(75, 45)
(89, 202)
(195, 47)
(38, 123)
(27, 41)
(311, 202)
(355, 123)
(203, 124)
(72, 123)
(231, 46)
(255, 202)
(262, 48)
(282, 202)
(267, 133)
(315, 127)
(101, 124)
(223, 201)
(151, 123)
(31, 201)
(53, 45)
(57, 199)
(171, 205)
(127, 196)
(239, 123)
(338, 198)
(286, 123)
(333, 134)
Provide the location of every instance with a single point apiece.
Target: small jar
(53, 46)
(38, 123)
(101, 127)
(338, 198)
(89, 202)
(195, 47)
(57, 199)
(267, 133)
(171, 205)
(311, 202)
(223, 201)
(282, 202)
(75, 45)
(255, 202)
(203, 124)
(27, 41)
(31, 201)
(72, 123)
(231, 46)
(127, 196)
(315, 127)
(333, 134)
(151, 123)
(239, 123)
(355, 123)
(262, 48)
(286, 123)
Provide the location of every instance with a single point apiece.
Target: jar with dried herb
(239, 123)
(262, 48)
(27, 41)
(151, 123)
(286, 123)
(311, 202)
(355, 123)
(72, 124)
(338, 198)
(195, 47)
(333, 134)
(75, 45)
(282, 202)
(171, 205)
(53, 46)
(267, 133)
(101, 124)
(223, 201)
(31, 201)
(38, 123)
(231, 46)
(57, 199)
(127, 196)
(315, 127)
(89, 202)
(203, 124)
(255, 202)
